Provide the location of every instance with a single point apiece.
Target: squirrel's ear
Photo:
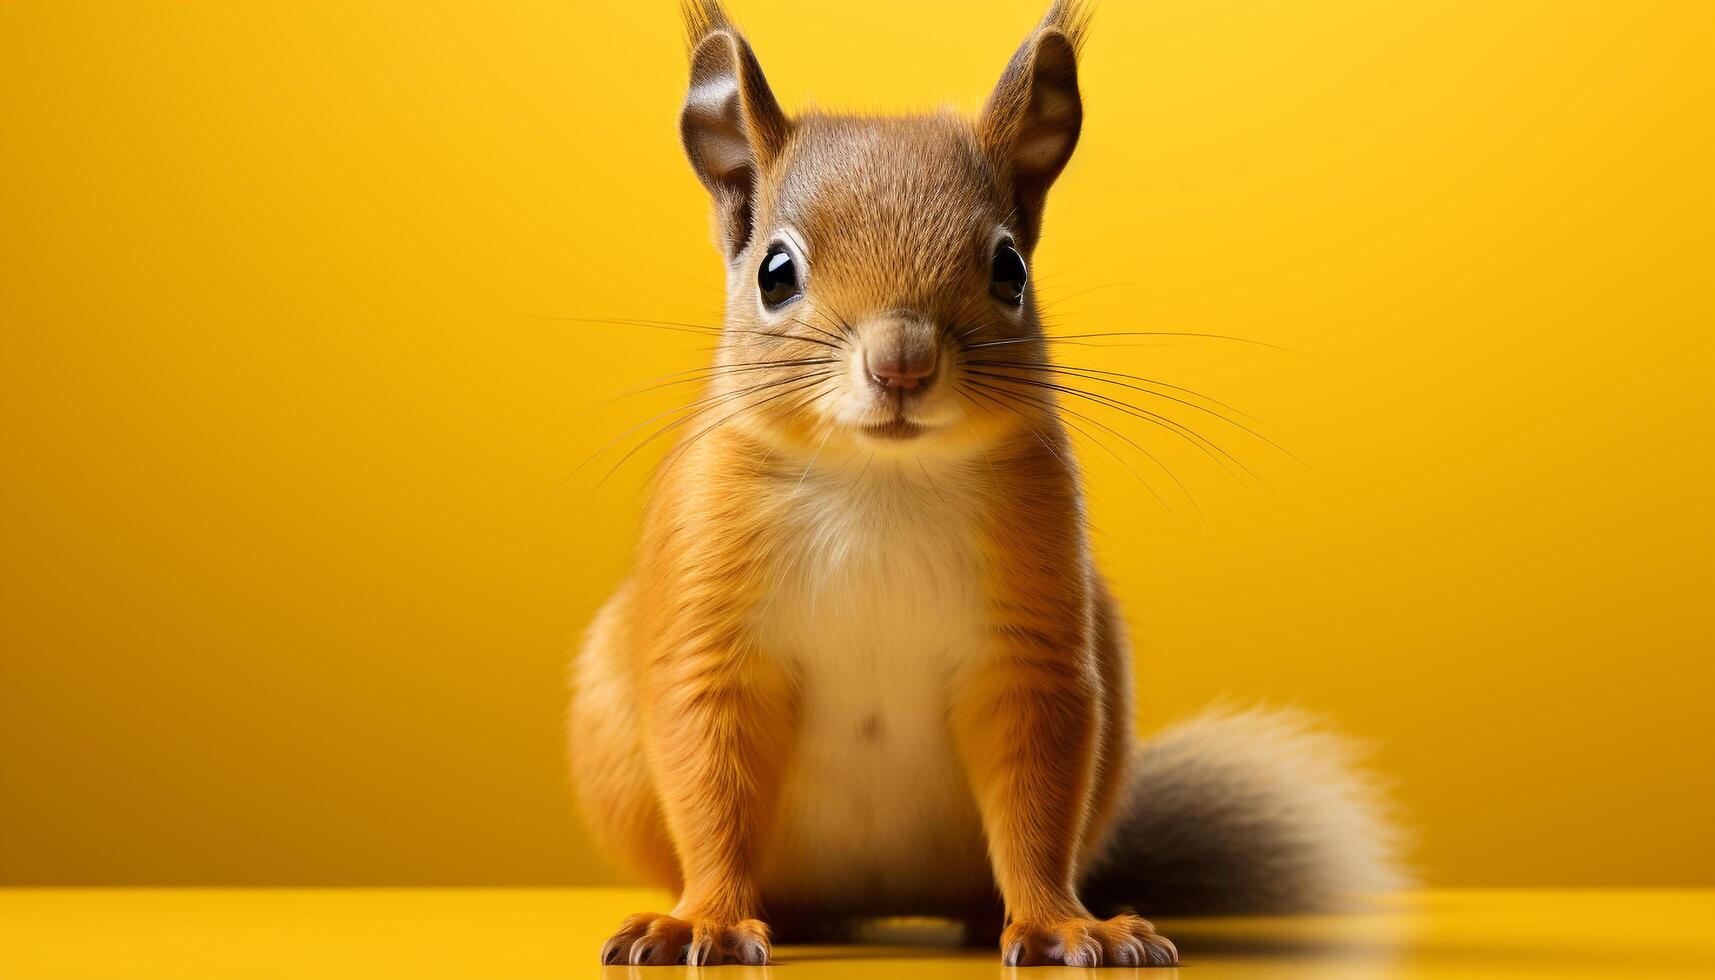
(731, 125)
(1030, 123)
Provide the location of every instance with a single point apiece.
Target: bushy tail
(1246, 812)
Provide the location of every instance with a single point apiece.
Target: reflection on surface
(191, 934)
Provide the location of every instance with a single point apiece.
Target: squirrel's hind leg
(606, 747)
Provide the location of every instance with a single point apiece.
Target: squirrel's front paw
(647, 939)
(1124, 940)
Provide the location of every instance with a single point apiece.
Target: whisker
(831, 314)
(802, 406)
(1185, 432)
(695, 408)
(1028, 424)
(1087, 434)
(961, 337)
(790, 336)
(810, 326)
(817, 378)
(971, 312)
(1074, 372)
(1074, 338)
(674, 326)
(1096, 289)
(1042, 439)
(702, 374)
(1064, 411)
(857, 481)
(795, 412)
(1203, 444)
(1008, 342)
(1176, 333)
(677, 326)
(813, 457)
(1077, 369)
(686, 446)
(926, 476)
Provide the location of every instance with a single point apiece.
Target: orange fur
(795, 543)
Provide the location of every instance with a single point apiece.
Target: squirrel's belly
(876, 814)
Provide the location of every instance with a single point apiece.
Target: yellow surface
(288, 585)
(518, 934)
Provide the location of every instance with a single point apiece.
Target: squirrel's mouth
(895, 430)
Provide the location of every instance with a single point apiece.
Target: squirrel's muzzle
(899, 351)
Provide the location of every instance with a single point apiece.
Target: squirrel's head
(871, 261)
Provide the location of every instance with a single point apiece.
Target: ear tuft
(702, 18)
(731, 125)
(1071, 18)
(1030, 124)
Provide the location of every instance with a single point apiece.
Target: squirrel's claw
(1124, 940)
(649, 939)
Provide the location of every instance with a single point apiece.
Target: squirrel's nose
(900, 365)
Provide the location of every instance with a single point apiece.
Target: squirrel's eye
(777, 279)
(1006, 277)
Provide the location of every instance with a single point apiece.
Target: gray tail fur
(1246, 812)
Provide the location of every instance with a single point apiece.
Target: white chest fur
(876, 609)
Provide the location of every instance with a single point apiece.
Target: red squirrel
(864, 665)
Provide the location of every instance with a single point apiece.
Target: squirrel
(864, 665)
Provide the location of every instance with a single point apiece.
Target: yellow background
(289, 585)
